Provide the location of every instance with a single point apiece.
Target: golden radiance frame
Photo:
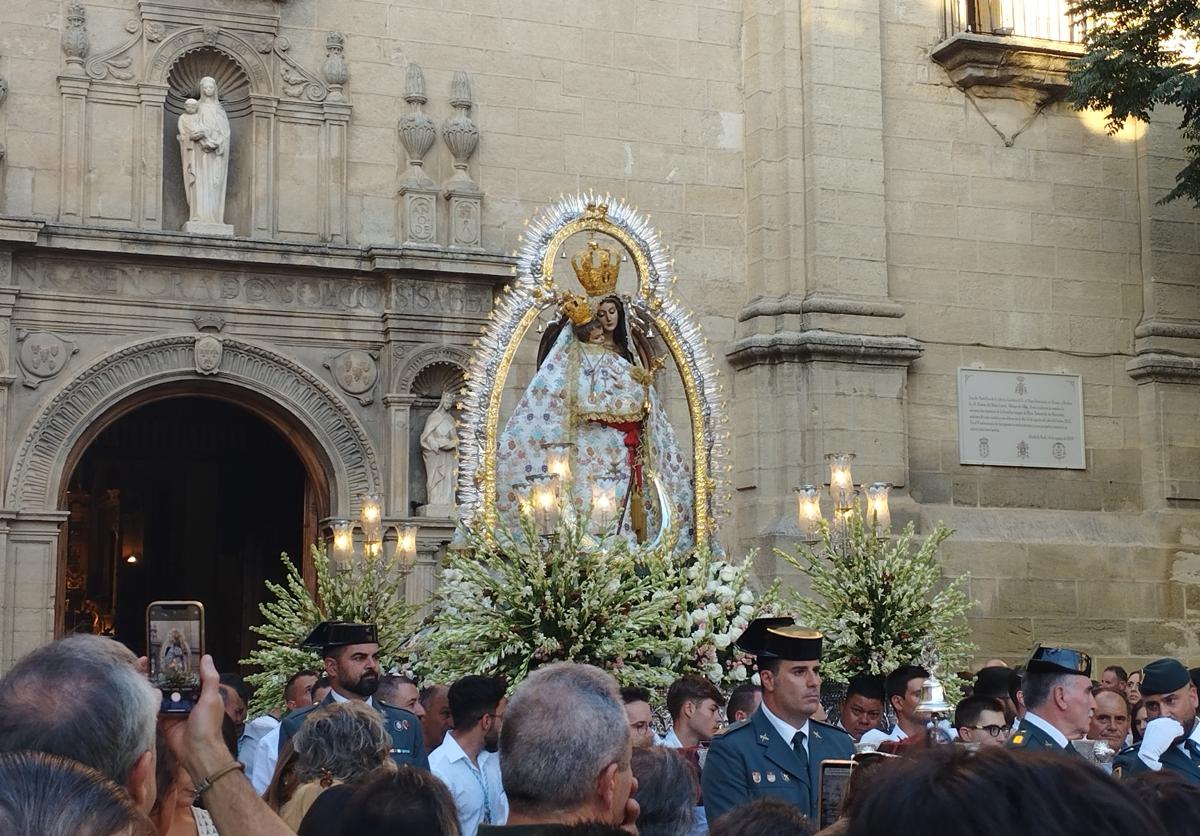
(532, 292)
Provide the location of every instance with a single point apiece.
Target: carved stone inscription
(272, 291)
(416, 296)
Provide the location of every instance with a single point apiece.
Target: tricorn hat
(780, 638)
(1059, 660)
(330, 634)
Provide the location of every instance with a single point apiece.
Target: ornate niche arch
(434, 355)
(40, 464)
(179, 45)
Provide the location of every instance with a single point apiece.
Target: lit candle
(543, 499)
(809, 509)
(343, 542)
(406, 544)
(558, 459)
(604, 503)
(841, 482)
(371, 519)
(878, 512)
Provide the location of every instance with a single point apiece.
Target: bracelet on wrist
(207, 782)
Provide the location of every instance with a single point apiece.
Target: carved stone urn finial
(459, 133)
(335, 70)
(75, 38)
(417, 131)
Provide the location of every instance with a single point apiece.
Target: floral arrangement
(368, 590)
(511, 602)
(881, 604)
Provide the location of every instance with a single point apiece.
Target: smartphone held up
(174, 645)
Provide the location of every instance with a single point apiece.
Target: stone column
(13, 233)
(153, 98)
(1166, 362)
(74, 147)
(333, 221)
(262, 150)
(29, 541)
(820, 333)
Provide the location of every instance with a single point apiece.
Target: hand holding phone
(174, 645)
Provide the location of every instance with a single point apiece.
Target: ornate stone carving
(208, 353)
(423, 358)
(42, 355)
(154, 32)
(420, 217)
(40, 458)
(460, 134)
(417, 131)
(116, 62)
(465, 228)
(356, 372)
(297, 81)
(75, 38)
(3, 89)
(209, 322)
(334, 69)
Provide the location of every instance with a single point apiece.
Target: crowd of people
(353, 750)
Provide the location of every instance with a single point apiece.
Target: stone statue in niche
(204, 148)
(439, 449)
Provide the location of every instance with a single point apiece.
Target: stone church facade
(861, 200)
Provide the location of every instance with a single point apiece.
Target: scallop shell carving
(233, 86)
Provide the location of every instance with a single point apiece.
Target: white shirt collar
(339, 698)
(786, 730)
(671, 740)
(1044, 725)
(454, 750)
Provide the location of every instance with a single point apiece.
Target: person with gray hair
(565, 751)
(50, 795)
(341, 743)
(666, 793)
(84, 698)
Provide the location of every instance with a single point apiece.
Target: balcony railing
(1043, 19)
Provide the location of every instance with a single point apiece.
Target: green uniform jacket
(750, 760)
(408, 744)
(1130, 764)
(1030, 736)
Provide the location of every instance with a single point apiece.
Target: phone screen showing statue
(174, 645)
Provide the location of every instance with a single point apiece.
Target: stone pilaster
(820, 333)
(1166, 362)
(399, 425)
(29, 544)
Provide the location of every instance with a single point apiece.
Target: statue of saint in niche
(204, 148)
(439, 449)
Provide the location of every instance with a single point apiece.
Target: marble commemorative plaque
(1020, 419)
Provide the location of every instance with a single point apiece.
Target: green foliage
(370, 590)
(881, 604)
(1135, 62)
(514, 601)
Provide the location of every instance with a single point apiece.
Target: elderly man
(351, 653)
(85, 698)
(1110, 722)
(779, 750)
(1172, 738)
(1058, 700)
(565, 752)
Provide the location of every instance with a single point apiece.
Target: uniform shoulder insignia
(1018, 739)
(829, 726)
(733, 727)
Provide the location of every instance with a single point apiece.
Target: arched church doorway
(185, 496)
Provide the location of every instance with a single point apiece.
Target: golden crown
(597, 269)
(576, 308)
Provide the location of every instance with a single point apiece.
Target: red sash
(633, 439)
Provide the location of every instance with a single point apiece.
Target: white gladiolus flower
(721, 640)
(747, 597)
(728, 573)
(739, 673)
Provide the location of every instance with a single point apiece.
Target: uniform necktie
(798, 747)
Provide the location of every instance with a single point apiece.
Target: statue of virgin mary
(594, 390)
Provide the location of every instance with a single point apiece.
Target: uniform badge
(1017, 739)
(786, 778)
(770, 777)
(764, 738)
(756, 777)
(402, 725)
(816, 734)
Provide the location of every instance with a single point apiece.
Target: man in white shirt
(467, 761)
(903, 689)
(296, 694)
(260, 759)
(695, 707)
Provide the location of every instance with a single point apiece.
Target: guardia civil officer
(1172, 738)
(351, 653)
(778, 751)
(1058, 701)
